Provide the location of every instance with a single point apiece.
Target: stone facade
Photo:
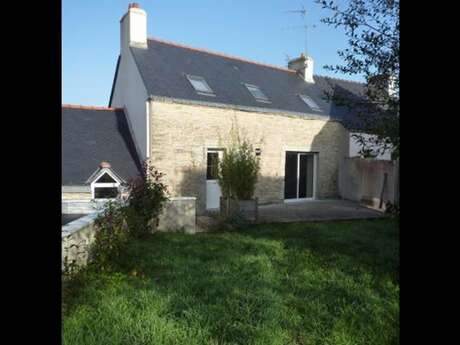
(76, 196)
(77, 238)
(180, 135)
(179, 214)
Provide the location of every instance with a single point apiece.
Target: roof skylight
(200, 85)
(310, 102)
(257, 93)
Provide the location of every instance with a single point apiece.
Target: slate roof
(163, 67)
(91, 135)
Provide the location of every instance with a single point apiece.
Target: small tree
(239, 169)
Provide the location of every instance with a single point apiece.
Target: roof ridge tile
(341, 79)
(90, 107)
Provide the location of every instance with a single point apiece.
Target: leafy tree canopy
(372, 29)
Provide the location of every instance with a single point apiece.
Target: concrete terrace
(316, 210)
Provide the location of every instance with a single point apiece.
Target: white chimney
(133, 26)
(303, 65)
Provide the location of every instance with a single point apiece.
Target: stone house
(179, 103)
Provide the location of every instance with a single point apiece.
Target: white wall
(130, 93)
(355, 147)
(362, 180)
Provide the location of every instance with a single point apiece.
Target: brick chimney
(133, 28)
(303, 65)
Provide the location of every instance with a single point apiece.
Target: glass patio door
(299, 176)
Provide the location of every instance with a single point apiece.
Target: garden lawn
(300, 283)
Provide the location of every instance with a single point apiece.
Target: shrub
(238, 170)
(124, 219)
(110, 235)
(147, 197)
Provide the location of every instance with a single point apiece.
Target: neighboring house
(180, 103)
(355, 148)
(98, 153)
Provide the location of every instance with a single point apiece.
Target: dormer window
(105, 184)
(257, 93)
(106, 178)
(200, 85)
(310, 102)
(105, 187)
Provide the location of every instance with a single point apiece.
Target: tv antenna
(303, 12)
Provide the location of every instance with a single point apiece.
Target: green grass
(301, 283)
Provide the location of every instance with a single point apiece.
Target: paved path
(315, 210)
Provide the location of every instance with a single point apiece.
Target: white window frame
(95, 184)
(209, 91)
(310, 102)
(258, 99)
(220, 155)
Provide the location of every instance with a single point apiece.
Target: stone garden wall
(179, 214)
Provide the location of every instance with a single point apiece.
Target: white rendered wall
(130, 93)
(355, 147)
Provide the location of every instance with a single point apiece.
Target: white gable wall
(130, 93)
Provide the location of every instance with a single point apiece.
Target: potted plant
(237, 177)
